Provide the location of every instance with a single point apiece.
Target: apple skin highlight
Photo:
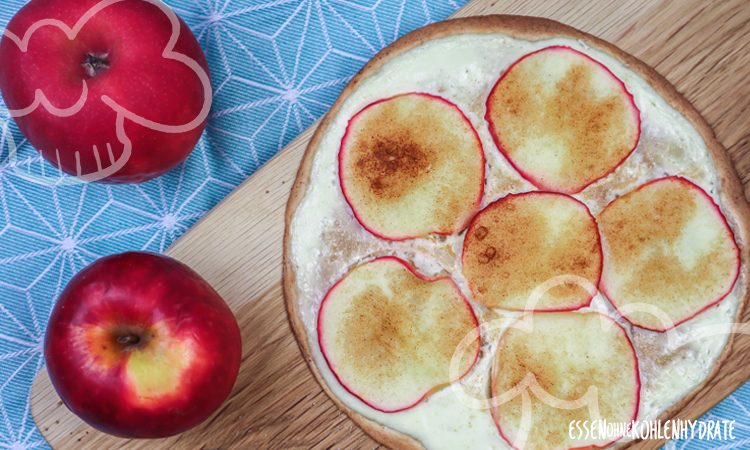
(139, 345)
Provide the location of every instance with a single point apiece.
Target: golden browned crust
(735, 206)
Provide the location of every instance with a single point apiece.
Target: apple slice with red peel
(388, 333)
(542, 379)
(521, 241)
(666, 245)
(562, 119)
(411, 165)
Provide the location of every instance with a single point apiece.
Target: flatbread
(732, 198)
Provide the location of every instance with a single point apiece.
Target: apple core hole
(95, 64)
(128, 339)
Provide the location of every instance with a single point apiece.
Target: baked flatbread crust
(735, 206)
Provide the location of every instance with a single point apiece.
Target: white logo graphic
(40, 99)
(529, 383)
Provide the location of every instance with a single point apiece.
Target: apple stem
(95, 64)
(129, 339)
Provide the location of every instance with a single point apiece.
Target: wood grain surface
(702, 47)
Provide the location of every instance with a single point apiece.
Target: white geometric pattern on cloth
(276, 67)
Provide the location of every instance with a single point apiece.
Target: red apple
(117, 92)
(139, 345)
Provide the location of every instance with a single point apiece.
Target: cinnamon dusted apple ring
(411, 165)
(562, 119)
(520, 241)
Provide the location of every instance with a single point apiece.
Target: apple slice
(388, 333)
(521, 241)
(411, 165)
(542, 379)
(667, 247)
(562, 119)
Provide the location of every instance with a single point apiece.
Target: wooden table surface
(702, 47)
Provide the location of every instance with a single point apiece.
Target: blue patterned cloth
(276, 66)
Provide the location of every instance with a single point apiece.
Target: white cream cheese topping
(327, 241)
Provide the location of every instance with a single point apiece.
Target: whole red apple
(139, 345)
(116, 91)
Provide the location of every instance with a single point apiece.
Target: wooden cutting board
(703, 48)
